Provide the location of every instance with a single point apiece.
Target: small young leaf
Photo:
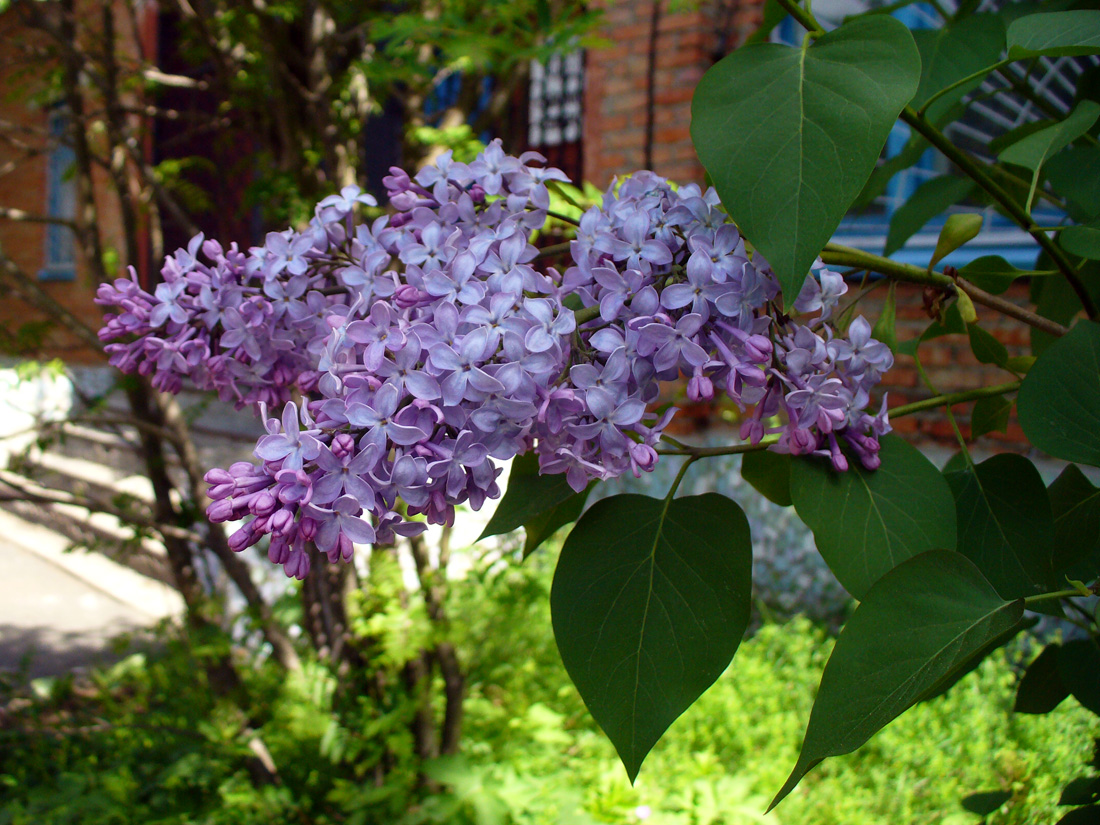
(1005, 524)
(984, 803)
(917, 625)
(1032, 151)
(1079, 667)
(1075, 505)
(1020, 364)
(957, 230)
(866, 522)
(966, 308)
(528, 495)
(986, 348)
(994, 274)
(1041, 689)
(931, 199)
(989, 415)
(546, 523)
(770, 474)
(886, 329)
(649, 603)
(1059, 401)
(1082, 240)
(791, 135)
(1055, 34)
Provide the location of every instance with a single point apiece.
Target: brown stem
(1010, 309)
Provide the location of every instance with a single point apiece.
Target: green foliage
(650, 601)
(1060, 398)
(866, 522)
(795, 133)
(917, 625)
(1005, 524)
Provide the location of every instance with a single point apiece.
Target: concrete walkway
(60, 610)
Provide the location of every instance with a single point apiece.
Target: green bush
(132, 746)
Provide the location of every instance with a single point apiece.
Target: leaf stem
(708, 452)
(550, 213)
(676, 484)
(960, 82)
(838, 255)
(1057, 594)
(947, 409)
(805, 18)
(954, 398)
(975, 172)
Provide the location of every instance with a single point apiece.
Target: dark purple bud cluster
(428, 345)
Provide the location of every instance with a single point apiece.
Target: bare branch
(31, 217)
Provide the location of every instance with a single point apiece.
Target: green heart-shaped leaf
(528, 495)
(866, 522)
(1082, 240)
(1059, 402)
(1075, 505)
(1041, 689)
(1005, 524)
(770, 474)
(917, 626)
(649, 604)
(790, 136)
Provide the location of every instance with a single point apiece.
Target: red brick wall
(950, 366)
(617, 97)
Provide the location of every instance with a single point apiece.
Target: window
(60, 258)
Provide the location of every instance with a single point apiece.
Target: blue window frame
(60, 253)
(986, 118)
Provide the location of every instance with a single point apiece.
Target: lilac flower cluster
(428, 344)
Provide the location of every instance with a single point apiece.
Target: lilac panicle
(412, 353)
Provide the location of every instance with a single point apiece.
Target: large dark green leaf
(1082, 240)
(866, 522)
(1075, 175)
(770, 474)
(541, 527)
(1041, 689)
(1005, 524)
(921, 622)
(528, 495)
(1059, 402)
(1075, 504)
(649, 605)
(952, 53)
(790, 135)
(1056, 299)
(1055, 34)
(932, 198)
(1079, 667)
